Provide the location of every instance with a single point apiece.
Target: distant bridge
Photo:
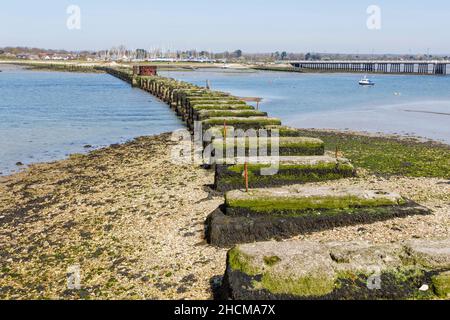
(409, 67)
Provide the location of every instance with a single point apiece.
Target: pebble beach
(134, 224)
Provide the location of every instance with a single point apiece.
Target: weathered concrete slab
(200, 107)
(354, 270)
(289, 171)
(271, 130)
(241, 123)
(304, 199)
(218, 100)
(215, 113)
(283, 146)
(433, 254)
(282, 213)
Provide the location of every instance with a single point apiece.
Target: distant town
(122, 54)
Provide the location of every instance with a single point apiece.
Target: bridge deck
(388, 66)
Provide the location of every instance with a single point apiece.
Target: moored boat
(366, 82)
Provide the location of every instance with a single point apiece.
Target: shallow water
(47, 115)
(402, 104)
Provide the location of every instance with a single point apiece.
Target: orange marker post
(246, 176)
(225, 130)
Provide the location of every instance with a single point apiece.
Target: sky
(414, 26)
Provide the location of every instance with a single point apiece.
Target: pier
(396, 67)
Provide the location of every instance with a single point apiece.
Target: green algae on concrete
(241, 123)
(230, 226)
(199, 107)
(441, 285)
(219, 101)
(319, 282)
(214, 113)
(300, 199)
(284, 146)
(269, 131)
(288, 171)
(309, 270)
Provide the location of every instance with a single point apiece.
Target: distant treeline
(37, 51)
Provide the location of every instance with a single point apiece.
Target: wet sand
(428, 120)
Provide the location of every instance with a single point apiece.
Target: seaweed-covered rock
(338, 270)
(288, 171)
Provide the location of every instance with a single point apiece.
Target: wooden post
(225, 130)
(246, 176)
(337, 152)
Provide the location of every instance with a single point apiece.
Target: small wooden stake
(246, 176)
(337, 152)
(225, 129)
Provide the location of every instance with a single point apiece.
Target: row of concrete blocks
(277, 206)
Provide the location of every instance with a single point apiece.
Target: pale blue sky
(414, 26)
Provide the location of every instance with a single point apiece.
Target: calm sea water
(48, 115)
(402, 104)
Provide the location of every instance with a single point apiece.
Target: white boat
(366, 82)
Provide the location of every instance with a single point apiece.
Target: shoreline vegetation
(134, 223)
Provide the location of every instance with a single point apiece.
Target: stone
(424, 288)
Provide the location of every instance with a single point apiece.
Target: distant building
(145, 70)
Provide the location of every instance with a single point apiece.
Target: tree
(284, 55)
(312, 56)
(238, 53)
